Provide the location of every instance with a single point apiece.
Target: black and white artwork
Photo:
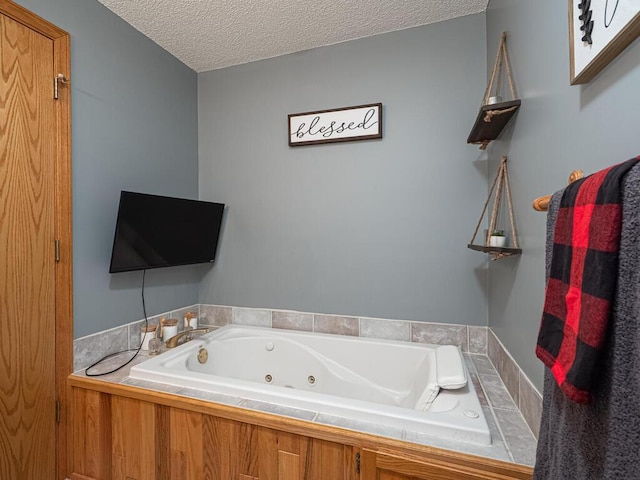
(362, 122)
(599, 31)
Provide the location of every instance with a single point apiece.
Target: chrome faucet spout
(173, 341)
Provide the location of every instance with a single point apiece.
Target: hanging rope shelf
(494, 114)
(502, 188)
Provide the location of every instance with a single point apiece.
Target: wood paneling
(162, 438)
(77, 476)
(268, 445)
(215, 434)
(288, 466)
(185, 431)
(187, 444)
(92, 434)
(386, 466)
(134, 448)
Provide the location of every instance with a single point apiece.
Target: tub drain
(311, 379)
(268, 378)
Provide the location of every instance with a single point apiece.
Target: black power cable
(146, 323)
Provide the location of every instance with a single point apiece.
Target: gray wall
(134, 117)
(375, 228)
(559, 128)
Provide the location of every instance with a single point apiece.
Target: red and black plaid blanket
(582, 279)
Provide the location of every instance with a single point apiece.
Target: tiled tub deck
(506, 409)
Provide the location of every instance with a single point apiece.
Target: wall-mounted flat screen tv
(153, 231)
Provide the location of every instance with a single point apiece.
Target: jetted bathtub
(415, 387)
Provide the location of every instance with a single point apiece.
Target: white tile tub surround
(440, 334)
(471, 339)
(252, 317)
(512, 440)
(215, 315)
(477, 340)
(336, 325)
(508, 426)
(386, 329)
(299, 321)
(527, 399)
(91, 348)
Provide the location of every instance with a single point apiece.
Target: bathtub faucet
(173, 341)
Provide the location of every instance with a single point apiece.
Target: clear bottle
(147, 334)
(191, 320)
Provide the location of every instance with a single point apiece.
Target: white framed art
(362, 122)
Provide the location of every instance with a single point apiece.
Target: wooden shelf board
(504, 251)
(486, 131)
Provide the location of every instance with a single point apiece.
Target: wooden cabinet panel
(268, 453)
(133, 449)
(185, 430)
(288, 466)
(92, 434)
(384, 466)
(390, 476)
(243, 442)
(329, 460)
(215, 436)
(118, 467)
(162, 442)
(121, 438)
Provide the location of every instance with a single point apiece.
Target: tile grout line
(504, 437)
(492, 409)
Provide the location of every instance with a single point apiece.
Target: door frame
(63, 222)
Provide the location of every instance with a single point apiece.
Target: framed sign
(598, 31)
(363, 122)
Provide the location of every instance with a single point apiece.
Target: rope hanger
(494, 112)
(502, 58)
(500, 184)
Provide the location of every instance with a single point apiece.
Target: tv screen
(154, 231)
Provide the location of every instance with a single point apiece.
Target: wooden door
(29, 222)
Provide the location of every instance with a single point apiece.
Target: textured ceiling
(211, 34)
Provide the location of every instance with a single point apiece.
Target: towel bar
(541, 204)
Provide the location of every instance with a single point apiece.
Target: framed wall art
(362, 122)
(598, 31)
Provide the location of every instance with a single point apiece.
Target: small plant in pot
(497, 239)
